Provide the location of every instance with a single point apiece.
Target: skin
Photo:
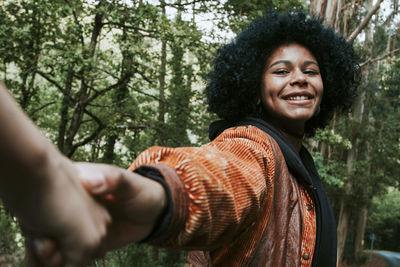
(135, 203)
(292, 89)
(39, 186)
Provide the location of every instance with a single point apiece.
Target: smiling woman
(252, 196)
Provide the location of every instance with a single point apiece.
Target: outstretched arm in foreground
(136, 204)
(41, 188)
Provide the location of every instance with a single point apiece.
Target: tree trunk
(323, 149)
(360, 232)
(318, 8)
(121, 93)
(66, 101)
(109, 155)
(345, 212)
(343, 227)
(330, 12)
(338, 15)
(161, 79)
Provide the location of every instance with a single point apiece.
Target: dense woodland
(106, 79)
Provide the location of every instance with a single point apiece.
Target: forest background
(106, 79)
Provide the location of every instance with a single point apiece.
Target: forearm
(26, 156)
(209, 206)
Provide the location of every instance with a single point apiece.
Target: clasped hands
(103, 208)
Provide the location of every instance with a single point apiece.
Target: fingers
(42, 252)
(31, 258)
(134, 201)
(100, 179)
(106, 181)
(125, 193)
(92, 178)
(47, 252)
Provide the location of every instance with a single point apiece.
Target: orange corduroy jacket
(235, 203)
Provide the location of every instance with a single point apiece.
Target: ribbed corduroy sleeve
(216, 190)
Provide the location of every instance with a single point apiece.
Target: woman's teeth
(298, 98)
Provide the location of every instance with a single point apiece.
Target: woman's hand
(135, 203)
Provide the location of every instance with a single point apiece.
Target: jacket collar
(293, 159)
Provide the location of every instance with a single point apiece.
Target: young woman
(252, 196)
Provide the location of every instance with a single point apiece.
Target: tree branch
(185, 4)
(143, 93)
(346, 6)
(364, 23)
(77, 22)
(42, 107)
(52, 81)
(390, 17)
(85, 141)
(131, 27)
(102, 92)
(371, 60)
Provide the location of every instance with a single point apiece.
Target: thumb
(92, 179)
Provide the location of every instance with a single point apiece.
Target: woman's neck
(294, 133)
(294, 138)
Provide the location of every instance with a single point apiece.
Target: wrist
(33, 181)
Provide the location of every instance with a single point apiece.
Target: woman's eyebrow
(287, 62)
(278, 62)
(310, 62)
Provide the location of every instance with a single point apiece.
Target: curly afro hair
(234, 85)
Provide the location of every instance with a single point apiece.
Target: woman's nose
(298, 78)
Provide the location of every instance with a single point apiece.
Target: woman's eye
(281, 72)
(311, 72)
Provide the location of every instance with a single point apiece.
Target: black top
(301, 165)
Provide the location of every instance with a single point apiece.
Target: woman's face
(291, 86)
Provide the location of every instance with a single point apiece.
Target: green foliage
(240, 12)
(331, 174)
(329, 136)
(384, 221)
(11, 240)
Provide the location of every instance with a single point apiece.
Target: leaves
(89, 74)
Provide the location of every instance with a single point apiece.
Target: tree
(350, 18)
